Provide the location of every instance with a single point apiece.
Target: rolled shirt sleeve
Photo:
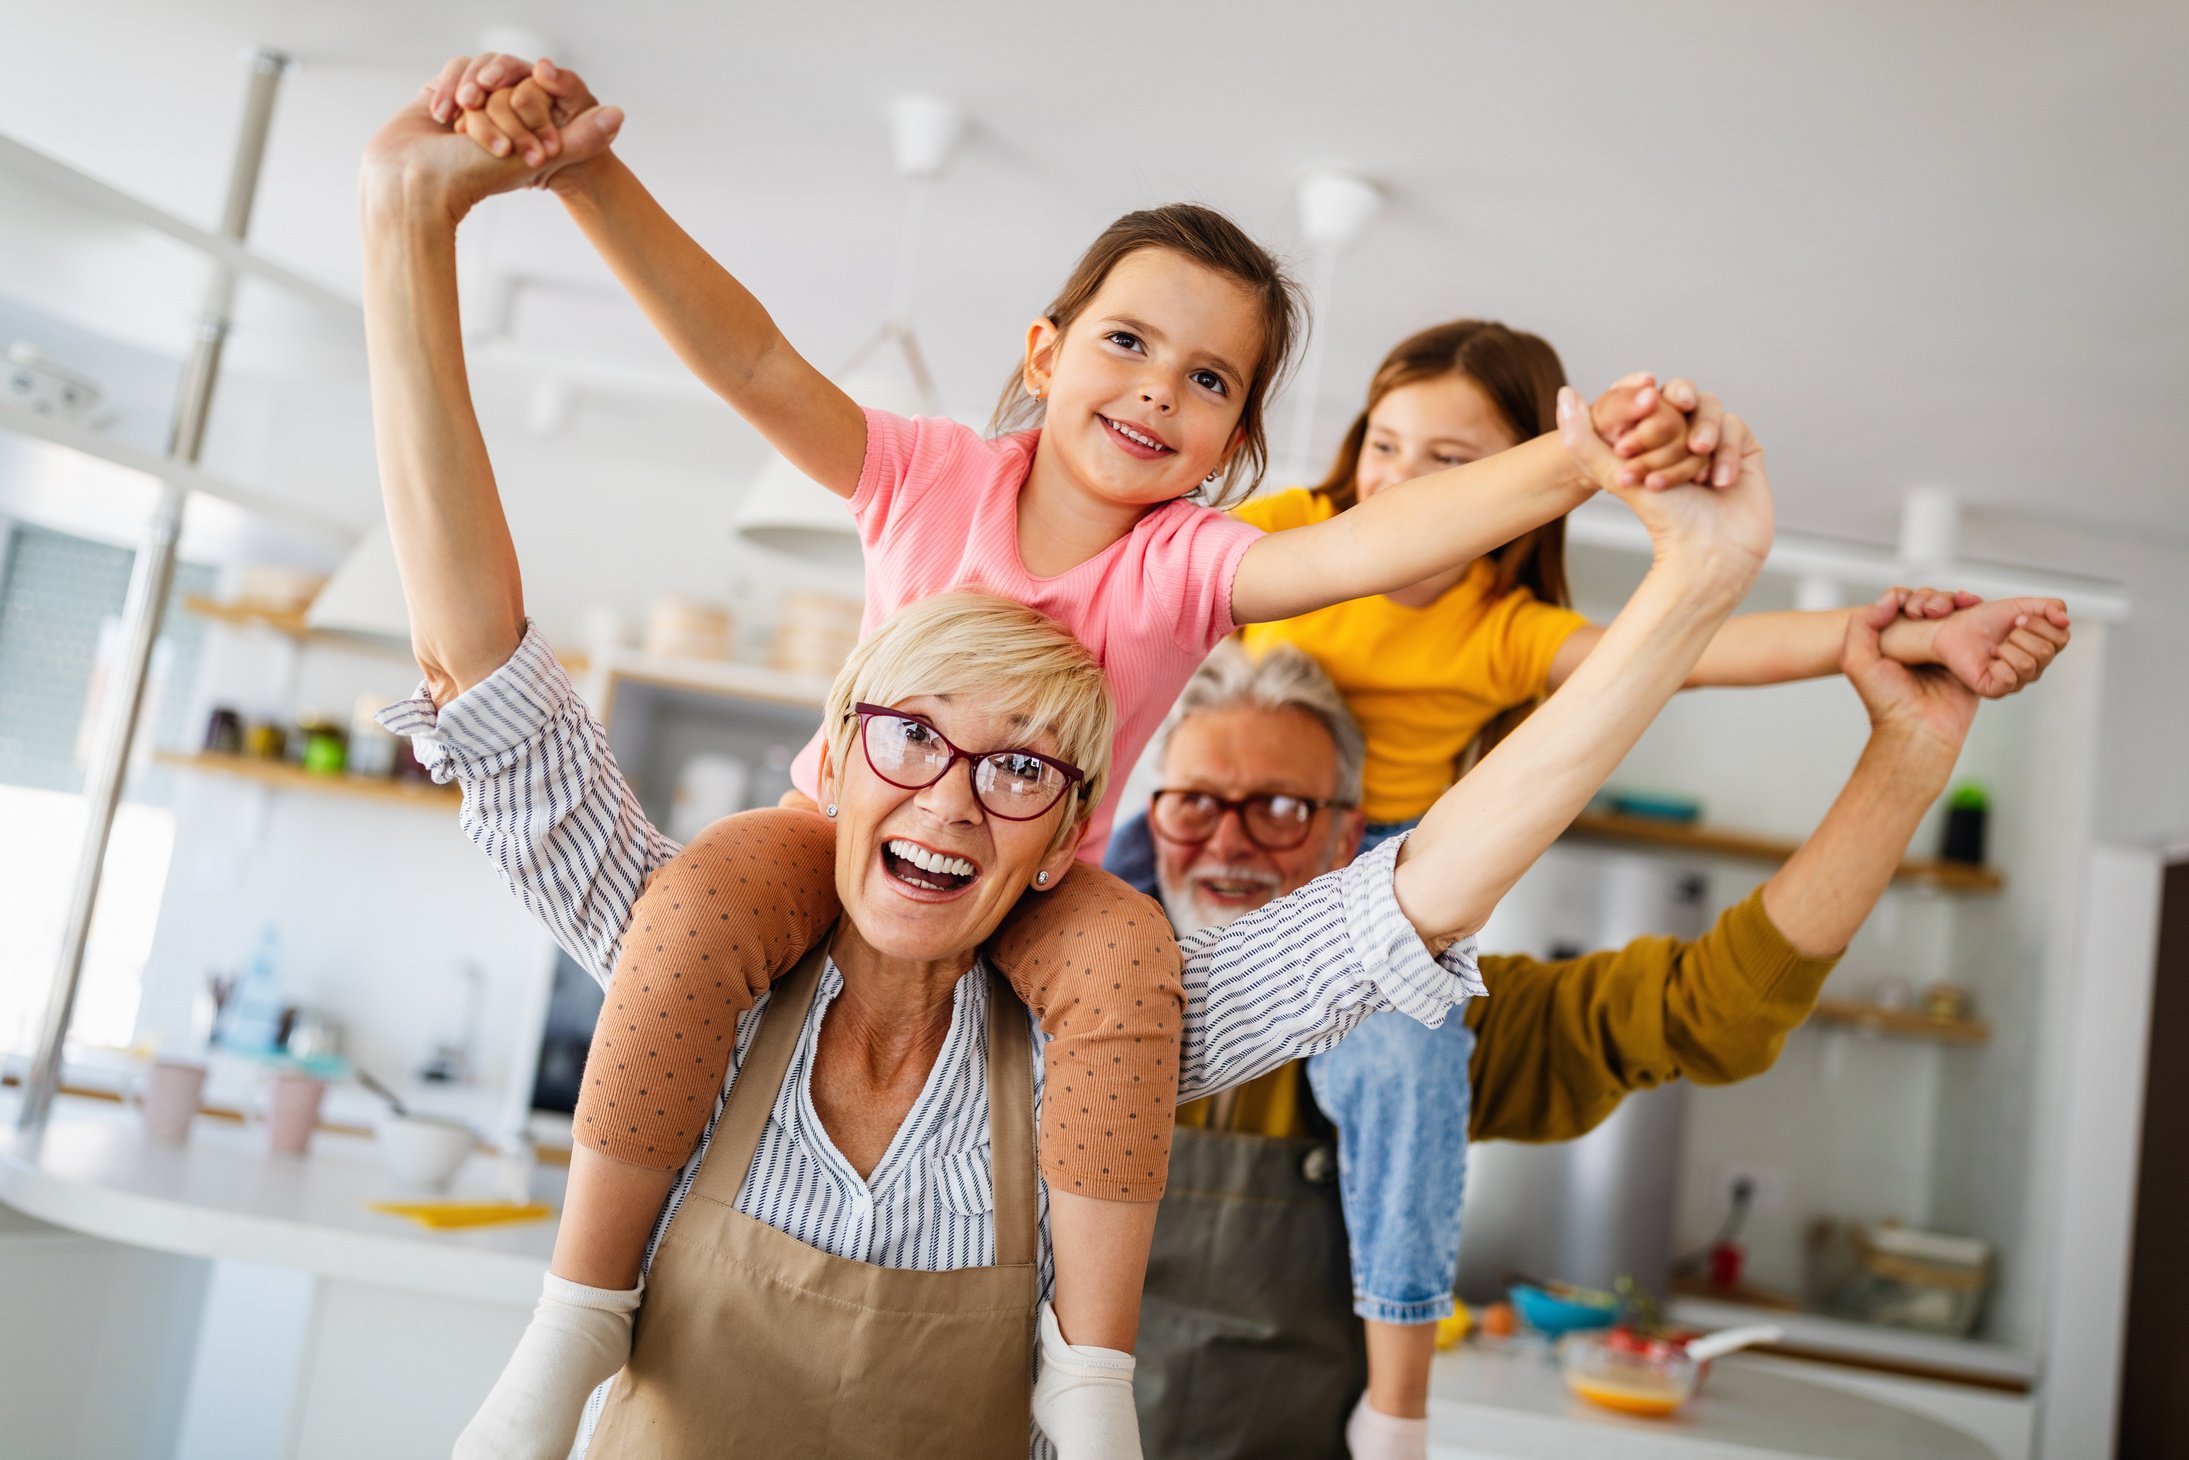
(1292, 978)
(543, 798)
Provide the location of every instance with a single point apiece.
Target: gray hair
(1285, 677)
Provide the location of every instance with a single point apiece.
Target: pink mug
(292, 1112)
(169, 1099)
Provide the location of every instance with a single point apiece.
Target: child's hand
(513, 108)
(1994, 648)
(1664, 438)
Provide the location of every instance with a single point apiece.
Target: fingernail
(534, 158)
(554, 145)
(1725, 476)
(490, 75)
(1626, 479)
(500, 147)
(1565, 403)
(468, 94)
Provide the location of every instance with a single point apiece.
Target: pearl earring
(1041, 879)
(829, 811)
(1212, 476)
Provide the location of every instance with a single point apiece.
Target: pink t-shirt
(937, 508)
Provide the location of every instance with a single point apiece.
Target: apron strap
(1011, 1125)
(744, 1118)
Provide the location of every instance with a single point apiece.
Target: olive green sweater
(1559, 1045)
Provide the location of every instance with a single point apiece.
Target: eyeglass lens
(1011, 784)
(1273, 823)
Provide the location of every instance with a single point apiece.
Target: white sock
(1083, 1399)
(1373, 1435)
(578, 1337)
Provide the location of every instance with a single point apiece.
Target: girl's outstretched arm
(1438, 522)
(714, 323)
(1994, 648)
(717, 327)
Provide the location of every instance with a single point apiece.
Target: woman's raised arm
(1490, 827)
(452, 544)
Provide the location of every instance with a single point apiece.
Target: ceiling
(1937, 243)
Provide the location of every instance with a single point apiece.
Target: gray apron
(1248, 1346)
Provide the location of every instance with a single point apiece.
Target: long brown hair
(1215, 242)
(1521, 374)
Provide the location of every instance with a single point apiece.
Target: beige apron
(751, 1343)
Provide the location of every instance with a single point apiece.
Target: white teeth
(1131, 435)
(928, 861)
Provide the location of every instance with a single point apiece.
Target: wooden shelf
(1900, 1023)
(1714, 841)
(289, 621)
(720, 678)
(287, 777)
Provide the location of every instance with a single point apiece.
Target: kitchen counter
(278, 1314)
(222, 1196)
(1510, 1403)
(394, 1308)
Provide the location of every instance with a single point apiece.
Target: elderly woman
(856, 1261)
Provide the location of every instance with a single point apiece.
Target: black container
(1964, 838)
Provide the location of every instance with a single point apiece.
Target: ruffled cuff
(483, 729)
(1391, 951)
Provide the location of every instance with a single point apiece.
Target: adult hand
(1723, 531)
(1925, 705)
(415, 163)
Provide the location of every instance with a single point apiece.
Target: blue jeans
(1399, 1094)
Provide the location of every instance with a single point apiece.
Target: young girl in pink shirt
(1142, 391)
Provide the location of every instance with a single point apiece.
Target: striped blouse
(544, 799)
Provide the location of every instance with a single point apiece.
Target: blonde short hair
(1003, 655)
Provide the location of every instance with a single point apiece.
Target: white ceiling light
(1334, 208)
(783, 510)
(1930, 527)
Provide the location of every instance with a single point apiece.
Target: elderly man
(1249, 1290)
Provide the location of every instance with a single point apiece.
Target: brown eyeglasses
(1274, 823)
(907, 752)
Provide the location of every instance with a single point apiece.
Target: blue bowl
(1558, 1316)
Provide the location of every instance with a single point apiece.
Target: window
(61, 600)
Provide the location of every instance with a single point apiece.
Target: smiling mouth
(1136, 441)
(930, 871)
(1228, 889)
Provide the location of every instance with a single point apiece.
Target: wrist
(1712, 572)
(579, 186)
(1910, 641)
(404, 197)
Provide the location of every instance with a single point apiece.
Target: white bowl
(425, 1149)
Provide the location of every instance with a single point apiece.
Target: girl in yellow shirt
(1436, 674)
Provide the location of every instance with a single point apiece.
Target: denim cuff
(1414, 1311)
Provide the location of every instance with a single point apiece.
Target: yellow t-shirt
(1421, 681)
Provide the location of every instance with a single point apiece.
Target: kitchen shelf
(1716, 841)
(720, 679)
(1900, 1023)
(287, 777)
(289, 621)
